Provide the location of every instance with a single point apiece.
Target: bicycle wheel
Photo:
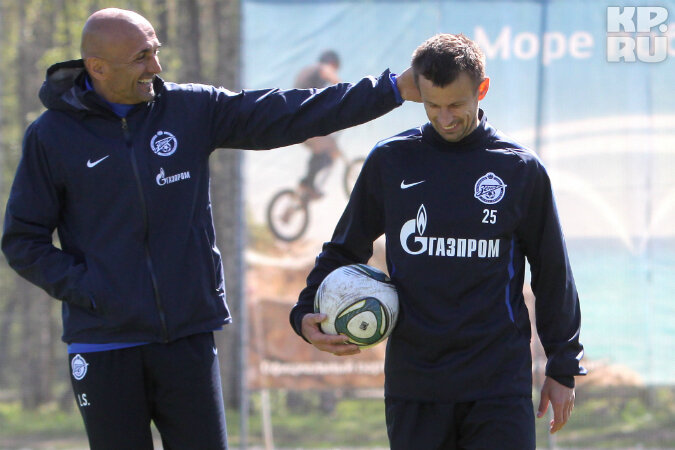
(287, 215)
(352, 172)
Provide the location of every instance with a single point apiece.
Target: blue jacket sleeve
(32, 212)
(361, 223)
(264, 119)
(558, 316)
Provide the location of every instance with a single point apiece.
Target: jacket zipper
(146, 240)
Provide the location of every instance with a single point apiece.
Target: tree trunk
(189, 33)
(162, 23)
(26, 364)
(7, 319)
(35, 311)
(228, 206)
(3, 150)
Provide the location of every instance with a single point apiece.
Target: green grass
(353, 423)
(603, 418)
(47, 420)
(45, 427)
(625, 417)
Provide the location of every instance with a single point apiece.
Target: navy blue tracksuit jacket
(459, 220)
(129, 197)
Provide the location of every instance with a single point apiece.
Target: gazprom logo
(443, 246)
(162, 179)
(418, 224)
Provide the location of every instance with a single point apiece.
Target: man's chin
(146, 97)
(452, 137)
(146, 93)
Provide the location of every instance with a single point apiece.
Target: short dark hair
(443, 57)
(329, 57)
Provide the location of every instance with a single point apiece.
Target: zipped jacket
(129, 197)
(460, 220)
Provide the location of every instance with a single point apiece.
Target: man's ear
(483, 88)
(96, 68)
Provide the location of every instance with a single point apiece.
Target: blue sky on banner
(552, 86)
(564, 40)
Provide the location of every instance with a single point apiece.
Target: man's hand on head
(407, 87)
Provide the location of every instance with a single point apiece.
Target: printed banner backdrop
(605, 131)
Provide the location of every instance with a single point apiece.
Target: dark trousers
(176, 385)
(500, 423)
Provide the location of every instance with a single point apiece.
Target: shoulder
(399, 144)
(406, 138)
(195, 97)
(501, 142)
(46, 123)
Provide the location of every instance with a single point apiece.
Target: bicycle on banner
(288, 212)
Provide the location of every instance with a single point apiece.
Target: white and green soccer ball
(361, 303)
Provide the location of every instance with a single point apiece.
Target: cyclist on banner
(324, 148)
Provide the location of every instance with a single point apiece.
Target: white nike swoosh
(406, 186)
(92, 164)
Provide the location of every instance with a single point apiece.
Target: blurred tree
(189, 33)
(8, 301)
(2, 153)
(35, 359)
(227, 198)
(161, 25)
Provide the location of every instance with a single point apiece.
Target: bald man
(124, 71)
(118, 166)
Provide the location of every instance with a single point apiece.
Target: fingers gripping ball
(360, 301)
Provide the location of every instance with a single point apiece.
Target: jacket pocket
(214, 262)
(90, 294)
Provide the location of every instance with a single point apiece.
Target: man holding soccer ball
(118, 165)
(462, 207)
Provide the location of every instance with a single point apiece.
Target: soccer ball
(360, 301)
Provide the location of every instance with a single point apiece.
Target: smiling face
(449, 70)
(120, 50)
(453, 109)
(130, 77)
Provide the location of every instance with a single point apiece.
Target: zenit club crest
(164, 143)
(489, 189)
(79, 367)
